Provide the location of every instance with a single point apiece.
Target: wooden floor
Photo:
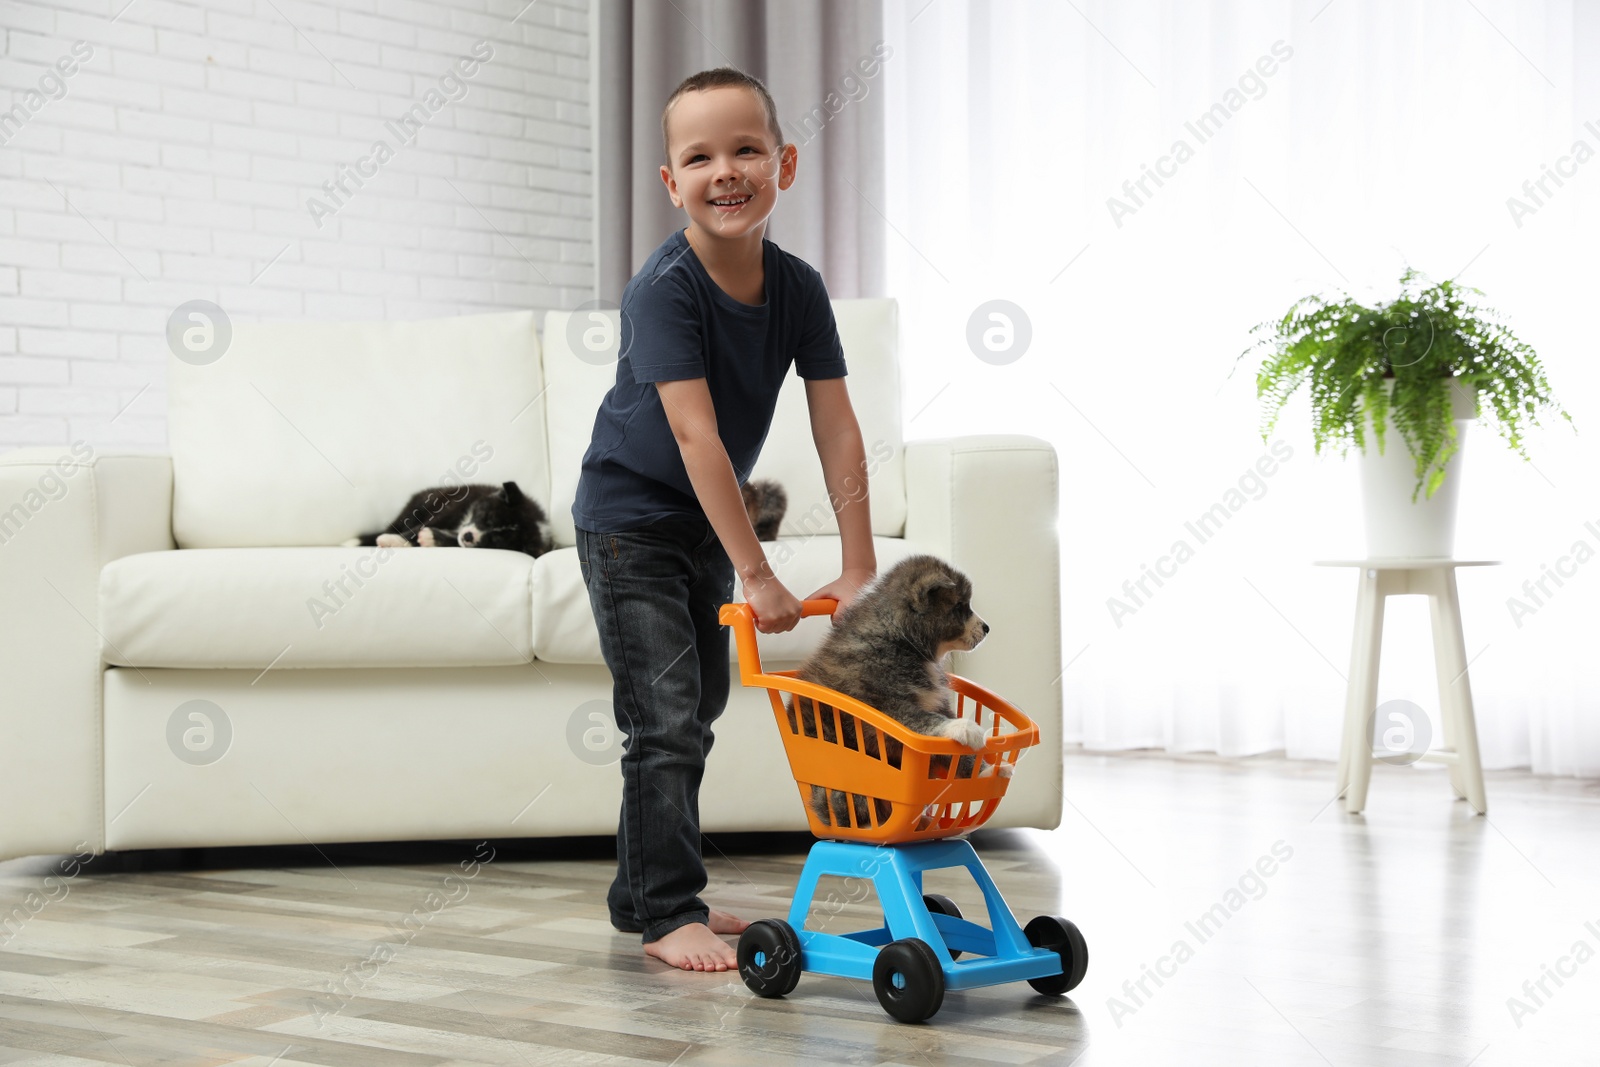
(1404, 936)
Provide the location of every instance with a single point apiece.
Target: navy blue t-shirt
(678, 323)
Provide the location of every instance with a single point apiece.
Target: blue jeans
(655, 592)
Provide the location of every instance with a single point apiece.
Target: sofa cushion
(309, 433)
(563, 622)
(316, 607)
(371, 607)
(868, 329)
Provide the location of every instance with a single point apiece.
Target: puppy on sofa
(467, 516)
(886, 649)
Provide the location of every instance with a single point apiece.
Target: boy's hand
(843, 589)
(776, 609)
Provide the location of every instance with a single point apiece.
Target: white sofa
(359, 694)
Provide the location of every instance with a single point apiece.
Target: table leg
(1436, 582)
(1455, 692)
(1361, 692)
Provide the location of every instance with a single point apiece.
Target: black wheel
(769, 958)
(940, 904)
(908, 979)
(1054, 932)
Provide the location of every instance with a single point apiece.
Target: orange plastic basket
(915, 797)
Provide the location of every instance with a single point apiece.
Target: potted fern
(1424, 364)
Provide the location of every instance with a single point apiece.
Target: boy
(710, 325)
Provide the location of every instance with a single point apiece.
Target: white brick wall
(179, 161)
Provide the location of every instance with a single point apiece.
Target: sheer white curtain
(1299, 147)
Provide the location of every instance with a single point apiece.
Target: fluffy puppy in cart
(886, 649)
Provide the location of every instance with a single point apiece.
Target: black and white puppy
(467, 516)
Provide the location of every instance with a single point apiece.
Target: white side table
(1436, 579)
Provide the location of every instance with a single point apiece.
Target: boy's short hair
(716, 78)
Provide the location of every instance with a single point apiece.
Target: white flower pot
(1396, 527)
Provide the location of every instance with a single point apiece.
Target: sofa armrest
(64, 514)
(988, 505)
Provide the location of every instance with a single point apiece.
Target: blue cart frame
(1001, 954)
(911, 959)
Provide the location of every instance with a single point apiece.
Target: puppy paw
(966, 732)
(992, 770)
(425, 538)
(354, 542)
(389, 540)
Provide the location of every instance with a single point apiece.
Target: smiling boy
(710, 327)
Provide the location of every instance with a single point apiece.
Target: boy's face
(721, 148)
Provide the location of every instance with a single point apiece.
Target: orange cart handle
(730, 613)
(743, 621)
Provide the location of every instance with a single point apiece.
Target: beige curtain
(822, 60)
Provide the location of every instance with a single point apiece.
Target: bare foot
(693, 948)
(723, 923)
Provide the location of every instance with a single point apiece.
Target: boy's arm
(844, 468)
(693, 418)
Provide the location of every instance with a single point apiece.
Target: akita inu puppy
(886, 649)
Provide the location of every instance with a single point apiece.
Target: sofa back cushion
(310, 433)
(869, 331)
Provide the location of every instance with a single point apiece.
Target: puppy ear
(510, 491)
(933, 591)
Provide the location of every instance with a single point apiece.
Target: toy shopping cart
(892, 801)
